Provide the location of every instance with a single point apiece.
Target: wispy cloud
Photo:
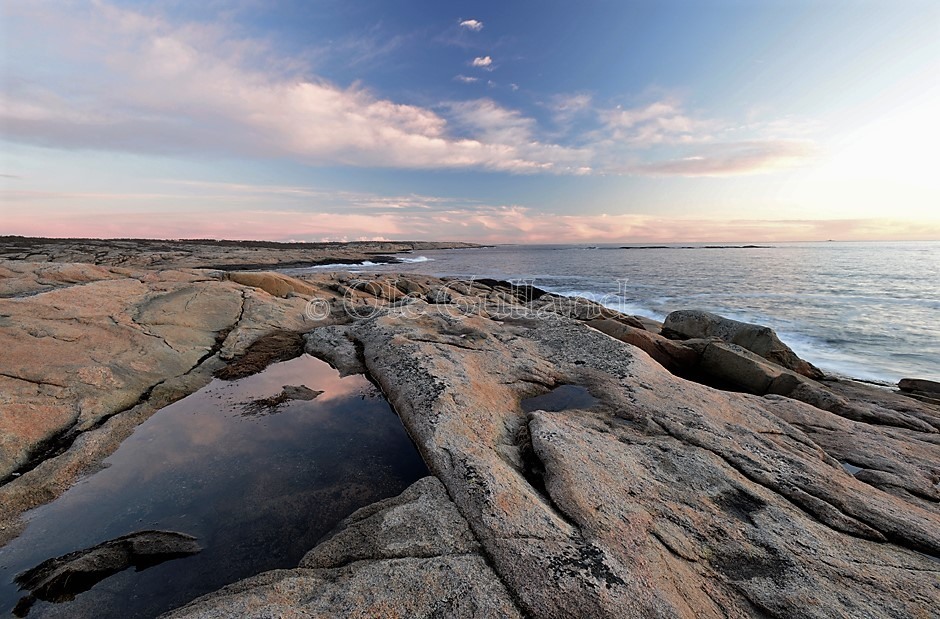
(466, 79)
(657, 123)
(732, 159)
(497, 124)
(567, 106)
(484, 62)
(472, 24)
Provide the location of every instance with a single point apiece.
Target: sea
(863, 310)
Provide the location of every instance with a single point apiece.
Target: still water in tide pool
(258, 486)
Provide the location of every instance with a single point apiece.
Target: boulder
(737, 366)
(685, 324)
(919, 384)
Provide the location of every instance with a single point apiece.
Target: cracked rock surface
(666, 498)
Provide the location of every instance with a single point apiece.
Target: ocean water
(864, 310)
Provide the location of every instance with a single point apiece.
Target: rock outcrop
(409, 556)
(686, 324)
(668, 498)
(638, 493)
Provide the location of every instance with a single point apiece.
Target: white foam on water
(339, 265)
(416, 259)
(610, 301)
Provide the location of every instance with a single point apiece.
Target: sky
(524, 121)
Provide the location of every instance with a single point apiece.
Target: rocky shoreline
(209, 254)
(708, 473)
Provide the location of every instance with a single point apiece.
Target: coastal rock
(637, 494)
(739, 369)
(667, 498)
(746, 371)
(333, 344)
(409, 556)
(921, 389)
(897, 460)
(300, 392)
(919, 384)
(421, 522)
(62, 578)
(685, 324)
(274, 284)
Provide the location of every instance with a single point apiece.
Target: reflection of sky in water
(561, 398)
(257, 491)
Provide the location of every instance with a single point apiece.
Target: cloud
(664, 139)
(120, 80)
(661, 122)
(472, 24)
(731, 159)
(565, 107)
(156, 87)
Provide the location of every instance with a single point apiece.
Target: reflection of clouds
(304, 370)
(278, 482)
(197, 433)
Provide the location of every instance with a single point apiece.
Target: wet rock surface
(921, 389)
(650, 496)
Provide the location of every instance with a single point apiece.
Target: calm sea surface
(866, 310)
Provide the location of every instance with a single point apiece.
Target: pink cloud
(731, 159)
